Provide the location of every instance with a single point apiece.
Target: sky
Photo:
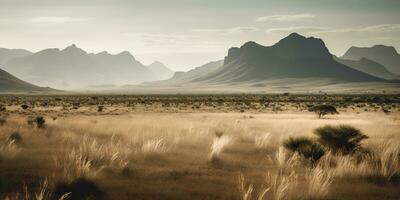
(184, 34)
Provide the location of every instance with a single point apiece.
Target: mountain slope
(160, 70)
(9, 54)
(368, 66)
(384, 55)
(292, 57)
(10, 83)
(185, 77)
(73, 67)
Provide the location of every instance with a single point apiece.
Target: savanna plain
(282, 146)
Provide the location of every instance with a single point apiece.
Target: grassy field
(194, 147)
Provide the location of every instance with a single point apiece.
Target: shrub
(311, 150)
(40, 122)
(340, 139)
(2, 108)
(24, 106)
(2, 121)
(100, 108)
(322, 110)
(80, 188)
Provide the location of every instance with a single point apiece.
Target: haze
(185, 34)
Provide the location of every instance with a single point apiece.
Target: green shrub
(340, 139)
(306, 147)
(322, 110)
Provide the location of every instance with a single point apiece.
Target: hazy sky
(187, 33)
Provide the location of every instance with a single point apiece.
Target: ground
(192, 147)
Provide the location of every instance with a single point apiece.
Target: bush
(100, 108)
(306, 147)
(40, 122)
(2, 108)
(340, 139)
(2, 121)
(78, 189)
(24, 106)
(322, 110)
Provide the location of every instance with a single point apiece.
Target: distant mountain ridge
(197, 72)
(10, 83)
(292, 57)
(160, 70)
(370, 67)
(74, 67)
(9, 54)
(385, 55)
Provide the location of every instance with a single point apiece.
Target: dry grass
(97, 146)
(42, 193)
(155, 147)
(246, 192)
(381, 164)
(319, 182)
(8, 149)
(218, 146)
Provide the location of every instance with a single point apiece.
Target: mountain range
(295, 63)
(73, 67)
(295, 57)
(384, 55)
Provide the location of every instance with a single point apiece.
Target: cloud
(315, 30)
(380, 28)
(56, 20)
(175, 43)
(234, 30)
(285, 18)
(159, 38)
(297, 29)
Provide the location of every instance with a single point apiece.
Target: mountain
(9, 54)
(196, 72)
(72, 67)
(160, 70)
(10, 83)
(385, 55)
(295, 57)
(370, 67)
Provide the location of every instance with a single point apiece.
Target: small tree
(322, 110)
(340, 139)
(306, 147)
